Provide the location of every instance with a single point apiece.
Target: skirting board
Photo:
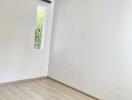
(74, 88)
(19, 81)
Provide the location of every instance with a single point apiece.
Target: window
(39, 30)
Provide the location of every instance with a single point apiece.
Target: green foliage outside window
(39, 27)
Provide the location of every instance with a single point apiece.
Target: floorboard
(40, 89)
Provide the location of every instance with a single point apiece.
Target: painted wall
(92, 47)
(18, 59)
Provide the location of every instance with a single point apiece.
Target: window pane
(40, 20)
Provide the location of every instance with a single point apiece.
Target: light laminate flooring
(39, 89)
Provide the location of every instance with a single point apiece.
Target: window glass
(39, 30)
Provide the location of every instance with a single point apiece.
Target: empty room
(65, 49)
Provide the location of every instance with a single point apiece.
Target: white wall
(18, 59)
(92, 47)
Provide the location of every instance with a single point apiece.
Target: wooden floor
(41, 89)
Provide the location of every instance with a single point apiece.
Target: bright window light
(40, 25)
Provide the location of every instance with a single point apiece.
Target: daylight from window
(39, 30)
